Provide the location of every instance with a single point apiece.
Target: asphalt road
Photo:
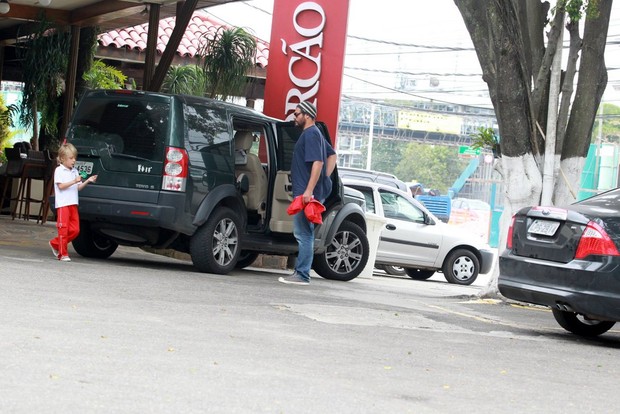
(140, 333)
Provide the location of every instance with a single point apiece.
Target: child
(67, 183)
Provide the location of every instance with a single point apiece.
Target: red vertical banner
(306, 58)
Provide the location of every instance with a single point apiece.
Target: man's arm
(331, 164)
(315, 174)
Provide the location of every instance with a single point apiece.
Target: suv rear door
(287, 136)
(121, 138)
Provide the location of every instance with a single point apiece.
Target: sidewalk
(22, 232)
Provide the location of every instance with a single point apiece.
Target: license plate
(544, 227)
(84, 166)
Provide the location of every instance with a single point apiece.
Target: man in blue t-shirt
(314, 160)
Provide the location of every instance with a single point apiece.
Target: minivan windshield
(116, 127)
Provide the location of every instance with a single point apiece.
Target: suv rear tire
(214, 247)
(91, 244)
(245, 259)
(346, 255)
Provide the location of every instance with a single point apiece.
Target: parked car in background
(203, 177)
(439, 205)
(414, 239)
(567, 259)
(371, 175)
(471, 215)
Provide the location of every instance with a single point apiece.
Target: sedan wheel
(579, 325)
(461, 267)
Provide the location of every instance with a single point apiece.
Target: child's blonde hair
(66, 150)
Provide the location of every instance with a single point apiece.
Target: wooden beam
(31, 13)
(103, 11)
(67, 111)
(181, 23)
(151, 45)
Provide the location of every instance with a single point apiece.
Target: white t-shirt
(68, 196)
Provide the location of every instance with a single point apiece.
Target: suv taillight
(595, 241)
(175, 169)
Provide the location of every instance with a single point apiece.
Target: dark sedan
(567, 259)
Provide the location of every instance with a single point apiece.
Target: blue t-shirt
(310, 147)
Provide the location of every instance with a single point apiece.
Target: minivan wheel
(246, 258)
(393, 270)
(214, 247)
(579, 325)
(419, 274)
(90, 244)
(461, 267)
(346, 255)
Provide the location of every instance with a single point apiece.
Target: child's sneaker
(54, 251)
(65, 259)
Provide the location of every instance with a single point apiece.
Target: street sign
(468, 152)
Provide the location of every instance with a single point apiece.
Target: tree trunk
(590, 88)
(507, 36)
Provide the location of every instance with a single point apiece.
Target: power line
(411, 94)
(387, 42)
(398, 72)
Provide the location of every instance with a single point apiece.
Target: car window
(370, 202)
(398, 207)
(117, 125)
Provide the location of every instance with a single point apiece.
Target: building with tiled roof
(126, 48)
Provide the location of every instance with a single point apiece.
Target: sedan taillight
(595, 241)
(175, 169)
(509, 238)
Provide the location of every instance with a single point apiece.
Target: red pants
(68, 224)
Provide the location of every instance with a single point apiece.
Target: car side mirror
(428, 220)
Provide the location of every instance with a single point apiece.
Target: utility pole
(370, 134)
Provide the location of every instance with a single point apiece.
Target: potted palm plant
(185, 80)
(227, 56)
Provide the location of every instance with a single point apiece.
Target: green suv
(200, 176)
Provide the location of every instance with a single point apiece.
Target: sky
(388, 46)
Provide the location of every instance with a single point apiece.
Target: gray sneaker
(294, 279)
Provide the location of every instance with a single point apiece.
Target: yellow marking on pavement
(18, 243)
(530, 307)
(484, 301)
(478, 318)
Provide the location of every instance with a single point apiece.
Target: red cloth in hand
(313, 211)
(296, 205)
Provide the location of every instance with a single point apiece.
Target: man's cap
(307, 108)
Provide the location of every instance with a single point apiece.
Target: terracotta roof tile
(136, 37)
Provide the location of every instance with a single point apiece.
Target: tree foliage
(185, 80)
(610, 132)
(102, 76)
(227, 56)
(434, 166)
(386, 154)
(44, 55)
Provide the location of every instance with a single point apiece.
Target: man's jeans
(304, 233)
